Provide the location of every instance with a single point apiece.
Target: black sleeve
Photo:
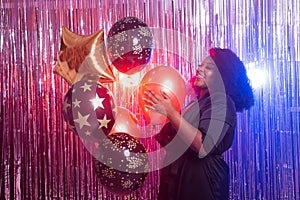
(217, 123)
(166, 134)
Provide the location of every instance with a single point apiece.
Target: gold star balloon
(83, 54)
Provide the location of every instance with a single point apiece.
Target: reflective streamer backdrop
(42, 159)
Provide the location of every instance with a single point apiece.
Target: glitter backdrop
(42, 159)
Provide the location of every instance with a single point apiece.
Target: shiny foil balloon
(126, 122)
(83, 54)
(89, 108)
(129, 45)
(162, 78)
(121, 163)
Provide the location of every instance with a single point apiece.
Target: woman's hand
(159, 103)
(163, 104)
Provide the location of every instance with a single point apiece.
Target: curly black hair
(234, 75)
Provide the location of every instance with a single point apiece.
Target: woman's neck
(203, 93)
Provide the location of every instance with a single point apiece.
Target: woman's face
(207, 74)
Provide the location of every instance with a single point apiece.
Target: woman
(196, 138)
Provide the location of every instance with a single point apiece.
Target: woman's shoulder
(219, 100)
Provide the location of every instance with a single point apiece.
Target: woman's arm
(188, 133)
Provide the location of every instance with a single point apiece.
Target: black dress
(190, 176)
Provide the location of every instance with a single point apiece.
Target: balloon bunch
(121, 161)
(89, 107)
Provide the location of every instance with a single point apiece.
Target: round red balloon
(162, 78)
(126, 122)
(121, 163)
(129, 45)
(89, 109)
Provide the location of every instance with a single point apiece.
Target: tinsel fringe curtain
(42, 159)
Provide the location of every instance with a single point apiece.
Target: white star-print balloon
(89, 109)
